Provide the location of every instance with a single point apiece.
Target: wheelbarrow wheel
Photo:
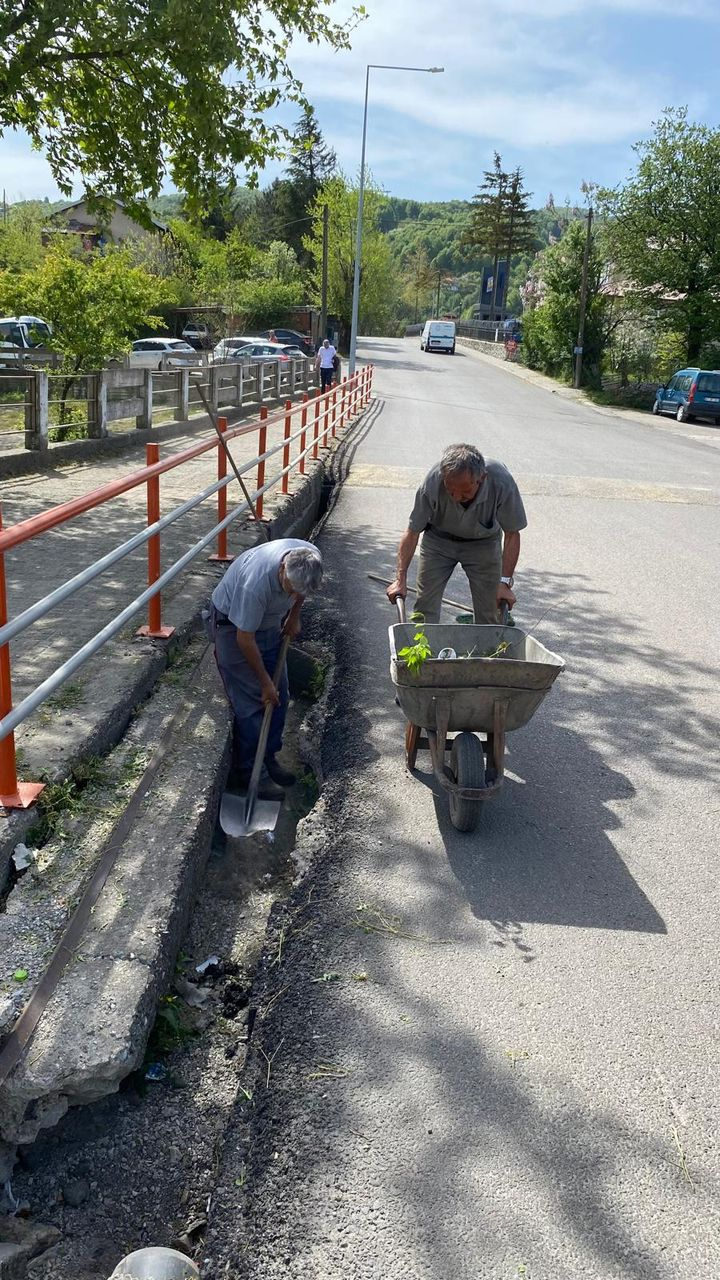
(467, 765)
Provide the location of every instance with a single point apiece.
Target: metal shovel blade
(263, 817)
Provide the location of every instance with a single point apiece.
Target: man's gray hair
(304, 570)
(462, 458)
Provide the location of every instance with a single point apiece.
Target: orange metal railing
(356, 393)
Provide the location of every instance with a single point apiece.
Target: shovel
(242, 815)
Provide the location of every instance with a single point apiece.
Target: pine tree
(488, 226)
(313, 161)
(520, 226)
(287, 203)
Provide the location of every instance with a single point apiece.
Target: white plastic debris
(446, 655)
(156, 1264)
(23, 857)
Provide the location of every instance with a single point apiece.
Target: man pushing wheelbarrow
(469, 512)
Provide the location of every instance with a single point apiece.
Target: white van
(438, 335)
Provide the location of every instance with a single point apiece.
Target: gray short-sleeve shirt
(497, 506)
(250, 594)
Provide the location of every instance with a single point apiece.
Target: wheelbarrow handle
(504, 613)
(400, 606)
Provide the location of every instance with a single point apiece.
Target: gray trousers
(482, 562)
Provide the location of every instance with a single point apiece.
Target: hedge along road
(525, 1085)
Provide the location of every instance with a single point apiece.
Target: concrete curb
(95, 1027)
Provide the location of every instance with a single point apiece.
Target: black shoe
(283, 777)
(267, 790)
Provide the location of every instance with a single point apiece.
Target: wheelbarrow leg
(498, 738)
(412, 737)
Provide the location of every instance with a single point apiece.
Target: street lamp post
(376, 66)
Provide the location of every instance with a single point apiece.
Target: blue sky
(561, 87)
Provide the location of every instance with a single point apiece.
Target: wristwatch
(507, 582)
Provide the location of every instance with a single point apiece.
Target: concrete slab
(95, 1028)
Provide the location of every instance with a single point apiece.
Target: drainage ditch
(138, 1168)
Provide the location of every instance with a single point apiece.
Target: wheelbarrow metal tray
(472, 686)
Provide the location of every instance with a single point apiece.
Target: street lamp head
(435, 71)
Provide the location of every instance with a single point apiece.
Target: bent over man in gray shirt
(258, 602)
(469, 512)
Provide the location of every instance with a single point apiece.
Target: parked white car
(161, 353)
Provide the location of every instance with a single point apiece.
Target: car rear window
(442, 330)
(709, 382)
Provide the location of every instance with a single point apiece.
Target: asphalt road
(516, 1076)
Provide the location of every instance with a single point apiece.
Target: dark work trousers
(326, 378)
(243, 690)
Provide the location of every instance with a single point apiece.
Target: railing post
(326, 418)
(37, 411)
(303, 431)
(278, 382)
(239, 384)
(286, 450)
(316, 427)
(262, 446)
(13, 794)
(260, 375)
(154, 628)
(144, 419)
(183, 395)
(306, 374)
(344, 403)
(221, 555)
(334, 410)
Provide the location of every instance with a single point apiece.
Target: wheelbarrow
(448, 702)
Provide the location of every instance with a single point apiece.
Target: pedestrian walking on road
(469, 512)
(258, 602)
(326, 364)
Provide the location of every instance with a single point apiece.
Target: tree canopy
(133, 92)
(550, 328)
(664, 229)
(94, 302)
(379, 285)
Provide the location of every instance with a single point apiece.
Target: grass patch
(316, 685)
(171, 1031)
(625, 398)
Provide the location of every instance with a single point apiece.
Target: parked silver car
(233, 349)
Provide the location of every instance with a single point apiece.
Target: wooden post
(183, 395)
(144, 419)
(286, 449)
(37, 412)
(262, 446)
(154, 628)
(221, 555)
(97, 417)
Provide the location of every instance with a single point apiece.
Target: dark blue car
(690, 394)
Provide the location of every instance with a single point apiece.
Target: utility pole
(323, 296)
(583, 303)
